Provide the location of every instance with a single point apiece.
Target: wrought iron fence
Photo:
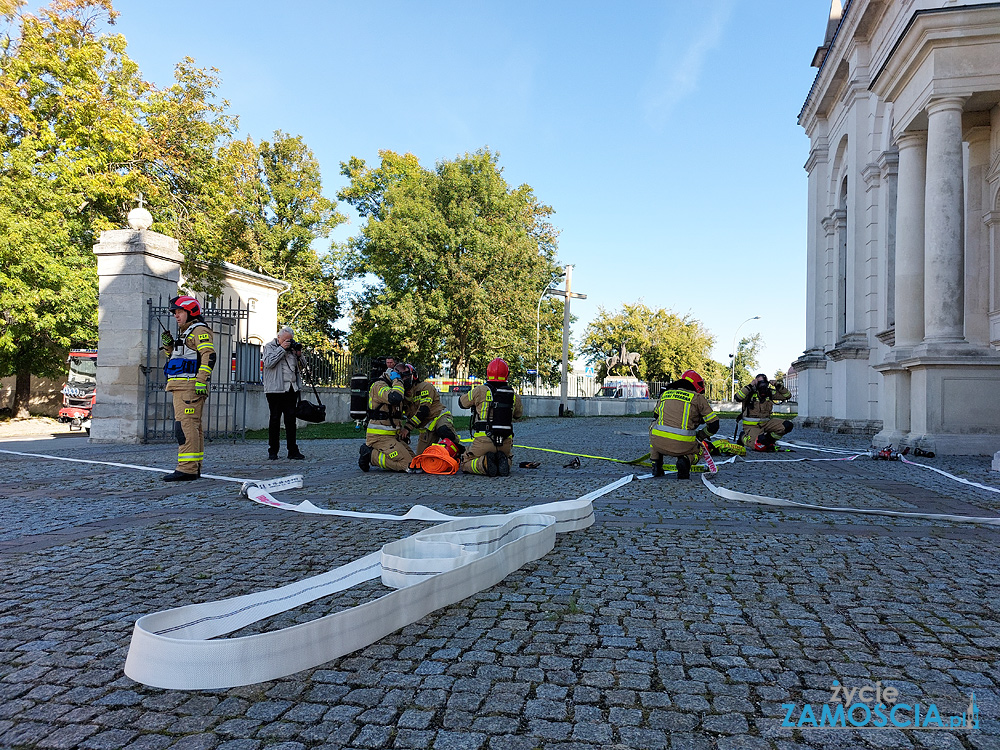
(237, 366)
(587, 387)
(713, 391)
(334, 369)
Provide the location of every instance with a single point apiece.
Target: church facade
(903, 264)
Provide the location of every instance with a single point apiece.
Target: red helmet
(186, 303)
(452, 448)
(497, 370)
(695, 379)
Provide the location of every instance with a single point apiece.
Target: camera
(295, 346)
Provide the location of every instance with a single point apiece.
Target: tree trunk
(22, 394)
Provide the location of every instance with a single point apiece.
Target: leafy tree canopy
(277, 212)
(746, 359)
(667, 344)
(81, 135)
(460, 260)
(67, 119)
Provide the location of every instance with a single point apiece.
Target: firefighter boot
(683, 468)
(492, 468)
(503, 464)
(765, 443)
(658, 467)
(365, 458)
(180, 476)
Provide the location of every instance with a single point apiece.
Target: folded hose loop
(179, 648)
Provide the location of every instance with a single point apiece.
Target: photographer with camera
(760, 431)
(282, 360)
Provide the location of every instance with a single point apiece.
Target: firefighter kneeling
(760, 431)
(384, 446)
(683, 418)
(426, 415)
(494, 406)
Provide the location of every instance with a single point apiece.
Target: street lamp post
(732, 378)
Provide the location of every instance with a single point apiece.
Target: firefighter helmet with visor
(694, 379)
(188, 304)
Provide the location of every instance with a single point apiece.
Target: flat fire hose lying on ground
(431, 569)
(847, 455)
(745, 497)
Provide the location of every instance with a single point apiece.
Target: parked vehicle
(80, 390)
(453, 385)
(623, 388)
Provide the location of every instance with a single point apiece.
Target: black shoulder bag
(308, 411)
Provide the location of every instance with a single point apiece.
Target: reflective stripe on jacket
(193, 359)
(378, 400)
(679, 413)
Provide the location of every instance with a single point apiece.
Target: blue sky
(662, 133)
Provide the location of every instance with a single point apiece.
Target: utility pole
(568, 294)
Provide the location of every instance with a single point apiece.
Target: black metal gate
(237, 367)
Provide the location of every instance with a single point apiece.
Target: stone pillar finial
(139, 218)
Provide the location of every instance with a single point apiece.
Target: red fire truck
(80, 390)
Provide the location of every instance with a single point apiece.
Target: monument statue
(623, 358)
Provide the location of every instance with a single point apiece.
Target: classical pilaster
(977, 242)
(909, 292)
(944, 236)
(992, 222)
(888, 163)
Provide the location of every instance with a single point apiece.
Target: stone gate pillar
(133, 265)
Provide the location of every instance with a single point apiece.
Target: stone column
(133, 265)
(977, 240)
(908, 299)
(944, 235)
(910, 188)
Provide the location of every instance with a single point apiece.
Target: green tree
(746, 359)
(68, 99)
(460, 260)
(176, 166)
(276, 213)
(82, 134)
(667, 344)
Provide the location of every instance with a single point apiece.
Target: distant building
(792, 382)
(903, 268)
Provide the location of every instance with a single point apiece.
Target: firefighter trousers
(188, 407)
(389, 452)
(775, 427)
(660, 447)
(474, 458)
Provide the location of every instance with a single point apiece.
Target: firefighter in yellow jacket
(760, 430)
(385, 445)
(426, 415)
(191, 359)
(494, 406)
(683, 417)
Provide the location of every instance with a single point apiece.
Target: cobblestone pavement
(679, 620)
